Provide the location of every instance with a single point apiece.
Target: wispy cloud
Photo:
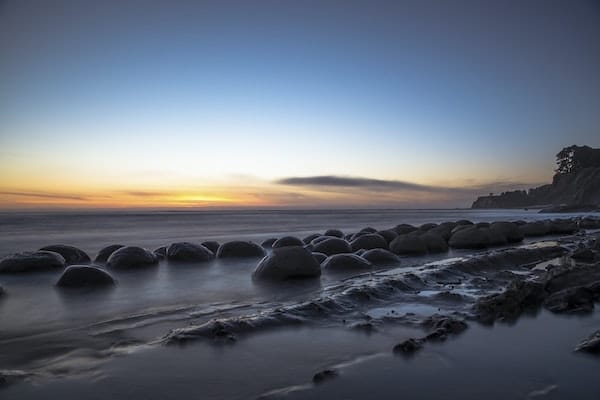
(335, 181)
(45, 195)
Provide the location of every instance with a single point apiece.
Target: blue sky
(223, 100)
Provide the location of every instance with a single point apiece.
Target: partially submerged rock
(331, 246)
(334, 232)
(71, 254)
(534, 229)
(32, 262)
(132, 257)
(76, 276)
(325, 375)
(320, 257)
(369, 241)
(188, 252)
(519, 297)
(161, 252)
(105, 252)
(408, 347)
(287, 241)
(268, 243)
(510, 231)
(346, 262)
(409, 244)
(590, 345)
(380, 257)
(472, 237)
(240, 249)
(434, 242)
(212, 245)
(288, 262)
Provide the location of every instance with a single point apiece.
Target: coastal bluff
(575, 185)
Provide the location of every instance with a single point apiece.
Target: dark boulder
(444, 230)
(268, 243)
(287, 241)
(132, 257)
(368, 229)
(497, 238)
(519, 297)
(409, 244)
(388, 235)
(470, 238)
(574, 300)
(585, 255)
(324, 375)
(331, 246)
(403, 229)
(434, 242)
(380, 257)
(509, 230)
(368, 242)
(240, 249)
(105, 252)
(32, 262)
(590, 345)
(287, 262)
(346, 262)
(427, 227)
(464, 222)
(321, 238)
(76, 276)
(188, 252)
(334, 232)
(589, 223)
(533, 229)
(71, 254)
(308, 239)
(161, 252)
(212, 245)
(482, 224)
(563, 227)
(320, 257)
(408, 347)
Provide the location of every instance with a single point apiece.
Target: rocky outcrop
(576, 184)
(105, 252)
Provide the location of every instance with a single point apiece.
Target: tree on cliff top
(574, 158)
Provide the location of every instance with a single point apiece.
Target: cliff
(576, 184)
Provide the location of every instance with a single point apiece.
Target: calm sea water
(93, 230)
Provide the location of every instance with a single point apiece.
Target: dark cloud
(45, 195)
(334, 181)
(356, 182)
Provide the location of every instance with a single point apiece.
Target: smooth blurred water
(93, 230)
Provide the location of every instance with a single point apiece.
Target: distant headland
(575, 186)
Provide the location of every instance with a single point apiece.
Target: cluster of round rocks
(291, 257)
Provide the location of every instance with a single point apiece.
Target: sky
(292, 104)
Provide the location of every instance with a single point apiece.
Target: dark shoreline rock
(186, 252)
(287, 262)
(71, 254)
(77, 276)
(346, 262)
(132, 257)
(332, 245)
(105, 252)
(29, 262)
(590, 344)
(240, 249)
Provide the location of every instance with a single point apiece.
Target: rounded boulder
(470, 238)
(346, 262)
(105, 252)
(76, 276)
(240, 249)
(32, 262)
(287, 262)
(71, 254)
(409, 244)
(287, 241)
(380, 257)
(368, 242)
(331, 246)
(132, 257)
(188, 252)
